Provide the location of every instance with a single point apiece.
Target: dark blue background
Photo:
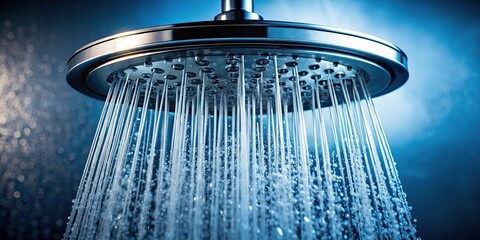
(432, 122)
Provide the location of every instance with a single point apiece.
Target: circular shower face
(222, 60)
(224, 77)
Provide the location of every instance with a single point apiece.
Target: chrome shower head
(239, 158)
(238, 48)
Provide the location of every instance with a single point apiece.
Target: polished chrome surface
(220, 37)
(236, 10)
(231, 5)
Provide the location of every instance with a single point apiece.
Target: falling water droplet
(279, 231)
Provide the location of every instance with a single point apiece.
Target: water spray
(239, 128)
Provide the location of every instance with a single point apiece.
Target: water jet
(239, 128)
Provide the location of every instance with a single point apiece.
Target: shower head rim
(228, 33)
(247, 23)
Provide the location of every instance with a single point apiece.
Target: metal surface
(237, 10)
(380, 61)
(261, 75)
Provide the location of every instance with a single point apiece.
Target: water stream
(274, 159)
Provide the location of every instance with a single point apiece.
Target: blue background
(432, 122)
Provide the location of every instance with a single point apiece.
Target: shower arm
(237, 10)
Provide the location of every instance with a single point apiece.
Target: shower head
(238, 49)
(239, 158)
